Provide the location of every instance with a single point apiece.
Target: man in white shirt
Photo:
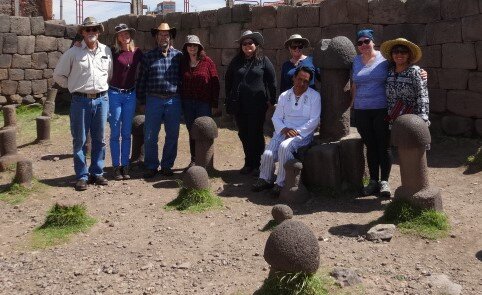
(86, 70)
(295, 120)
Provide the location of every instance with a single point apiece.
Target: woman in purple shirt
(122, 99)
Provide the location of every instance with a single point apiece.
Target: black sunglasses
(400, 50)
(94, 29)
(297, 46)
(120, 27)
(360, 43)
(248, 43)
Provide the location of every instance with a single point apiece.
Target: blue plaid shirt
(159, 74)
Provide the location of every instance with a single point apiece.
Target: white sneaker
(385, 189)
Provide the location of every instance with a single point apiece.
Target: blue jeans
(158, 111)
(122, 107)
(192, 110)
(88, 115)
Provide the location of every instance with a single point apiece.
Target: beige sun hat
(298, 38)
(415, 51)
(164, 27)
(192, 39)
(90, 21)
(255, 36)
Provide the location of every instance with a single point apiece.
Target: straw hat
(122, 28)
(298, 38)
(255, 36)
(164, 27)
(415, 51)
(90, 21)
(192, 39)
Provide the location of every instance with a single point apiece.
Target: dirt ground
(137, 247)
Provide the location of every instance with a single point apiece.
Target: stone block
(9, 87)
(146, 22)
(39, 86)
(343, 11)
(478, 127)
(444, 32)
(4, 23)
(47, 73)
(458, 8)
(225, 36)
(308, 16)
(14, 99)
(455, 125)
(53, 58)
(174, 19)
(1, 43)
(287, 17)
(40, 60)
(282, 56)
(190, 20)
(180, 38)
(3, 74)
(55, 28)
(24, 87)
(227, 55)
(241, 13)
(352, 160)
(203, 34)
(386, 12)
(71, 31)
(478, 53)
(431, 56)
(10, 43)
(16, 74)
(427, 11)
(20, 25)
(208, 18)
(5, 60)
(332, 31)
(438, 100)
(459, 56)
(274, 38)
(44, 43)
(215, 55)
(465, 103)
(452, 78)
(264, 17)
(21, 61)
(472, 28)
(63, 44)
(31, 74)
(312, 34)
(322, 166)
(224, 15)
(271, 55)
(475, 81)
(26, 44)
(433, 77)
(37, 25)
(3, 100)
(412, 32)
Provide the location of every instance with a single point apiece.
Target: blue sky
(104, 11)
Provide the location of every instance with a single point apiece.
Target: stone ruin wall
(448, 31)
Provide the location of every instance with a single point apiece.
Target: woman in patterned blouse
(405, 88)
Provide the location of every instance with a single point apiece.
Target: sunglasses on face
(296, 46)
(94, 29)
(248, 43)
(399, 51)
(191, 45)
(361, 42)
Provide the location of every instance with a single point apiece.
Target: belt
(90, 95)
(162, 95)
(122, 90)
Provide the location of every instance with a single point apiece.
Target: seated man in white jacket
(295, 120)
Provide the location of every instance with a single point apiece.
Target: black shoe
(81, 185)
(118, 173)
(125, 172)
(188, 166)
(98, 180)
(246, 170)
(275, 191)
(150, 173)
(167, 172)
(261, 185)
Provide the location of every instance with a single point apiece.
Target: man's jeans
(122, 107)
(88, 115)
(193, 109)
(158, 111)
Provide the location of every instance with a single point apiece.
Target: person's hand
(141, 109)
(424, 74)
(289, 132)
(216, 112)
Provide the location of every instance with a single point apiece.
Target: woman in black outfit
(251, 75)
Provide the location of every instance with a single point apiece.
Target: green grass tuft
(61, 222)
(270, 225)
(16, 193)
(300, 283)
(428, 224)
(194, 200)
(476, 159)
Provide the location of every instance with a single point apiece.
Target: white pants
(280, 149)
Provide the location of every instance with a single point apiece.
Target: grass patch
(194, 200)
(270, 225)
(428, 224)
(300, 283)
(16, 193)
(476, 159)
(61, 222)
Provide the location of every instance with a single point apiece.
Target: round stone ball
(292, 247)
(281, 212)
(196, 177)
(204, 128)
(410, 131)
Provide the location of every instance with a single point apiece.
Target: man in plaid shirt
(158, 88)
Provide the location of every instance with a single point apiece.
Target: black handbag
(233, 101)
